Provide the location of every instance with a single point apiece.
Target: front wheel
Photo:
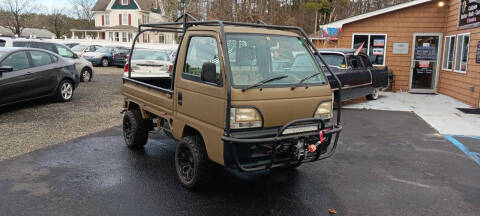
(374, 95)
(192, 163)
(86, 75)
(135, 129)
(105, 62)
(65, 91)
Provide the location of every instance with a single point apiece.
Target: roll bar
(182, 26)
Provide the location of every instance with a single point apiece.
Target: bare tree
(17, 14)
(83, 9)
(57, 22)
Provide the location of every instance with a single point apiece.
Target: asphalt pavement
(387, 163)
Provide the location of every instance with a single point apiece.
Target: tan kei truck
(245, 96)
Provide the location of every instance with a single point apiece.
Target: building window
(107, 19)
(124, 19)
(161, 39)
(130, 37)
(374, 46)
(117, 36)
(124, 2)
(124, 37)
(461, 52)
(110, 36)
(448, 49)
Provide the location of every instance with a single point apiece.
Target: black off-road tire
(202, 166)
(135, 129)
(65, 91)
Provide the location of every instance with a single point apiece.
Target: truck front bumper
(280, 147)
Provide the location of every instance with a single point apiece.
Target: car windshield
(335, 60)
(105, 49)
(78, 48)
(149, 55)
(256, 57)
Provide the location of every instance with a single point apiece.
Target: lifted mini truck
(238, 97)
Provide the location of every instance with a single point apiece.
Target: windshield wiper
(264, 81)
(305, 79)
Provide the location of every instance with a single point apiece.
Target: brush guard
(276, 140)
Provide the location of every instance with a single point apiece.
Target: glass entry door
(425, 62)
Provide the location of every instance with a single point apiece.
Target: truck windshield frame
(254, 57)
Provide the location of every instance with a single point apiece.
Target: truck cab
(238, 96)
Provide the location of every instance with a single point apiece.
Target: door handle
(29, 73)
(180, 99)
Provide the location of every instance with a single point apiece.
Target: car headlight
(324, 110)
(245, 118)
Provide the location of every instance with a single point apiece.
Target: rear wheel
(374, 95)
(135, 129)
(192, 163)
(65, 91)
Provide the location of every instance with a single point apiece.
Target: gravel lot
(95, 106)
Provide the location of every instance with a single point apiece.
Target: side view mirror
(75, 56)
(4, 69)
(209, 72)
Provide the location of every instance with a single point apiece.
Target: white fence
(114, 43)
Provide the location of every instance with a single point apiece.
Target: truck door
(357, 73)
(379, 75)
(200, 104)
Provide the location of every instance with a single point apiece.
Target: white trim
(340, 23)
(368, 45)
(447, 49)
(461, 57)
(412, 63)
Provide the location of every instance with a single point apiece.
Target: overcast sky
(54, 3)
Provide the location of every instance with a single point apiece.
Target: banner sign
(330, 33)
(477, 59)
(469, 14)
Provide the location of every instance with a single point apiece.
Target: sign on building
(400, 47)
(469, 15)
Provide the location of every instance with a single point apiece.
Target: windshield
(256, 57)
(78, 48)
(150, 55)
(106, 50)
(335, 60)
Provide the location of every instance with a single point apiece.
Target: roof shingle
(101, 5)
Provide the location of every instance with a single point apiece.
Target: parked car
(119, 56)
(356, 73)
(82, 49)
(103, 56)
(84, 67)
(27, 74)
(149, 64)
(70, 45)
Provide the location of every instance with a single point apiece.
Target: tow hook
(313, 147)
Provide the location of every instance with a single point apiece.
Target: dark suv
(27, 74)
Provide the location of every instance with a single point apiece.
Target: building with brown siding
(426, 44)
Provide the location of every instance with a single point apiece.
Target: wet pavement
(387, 163)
